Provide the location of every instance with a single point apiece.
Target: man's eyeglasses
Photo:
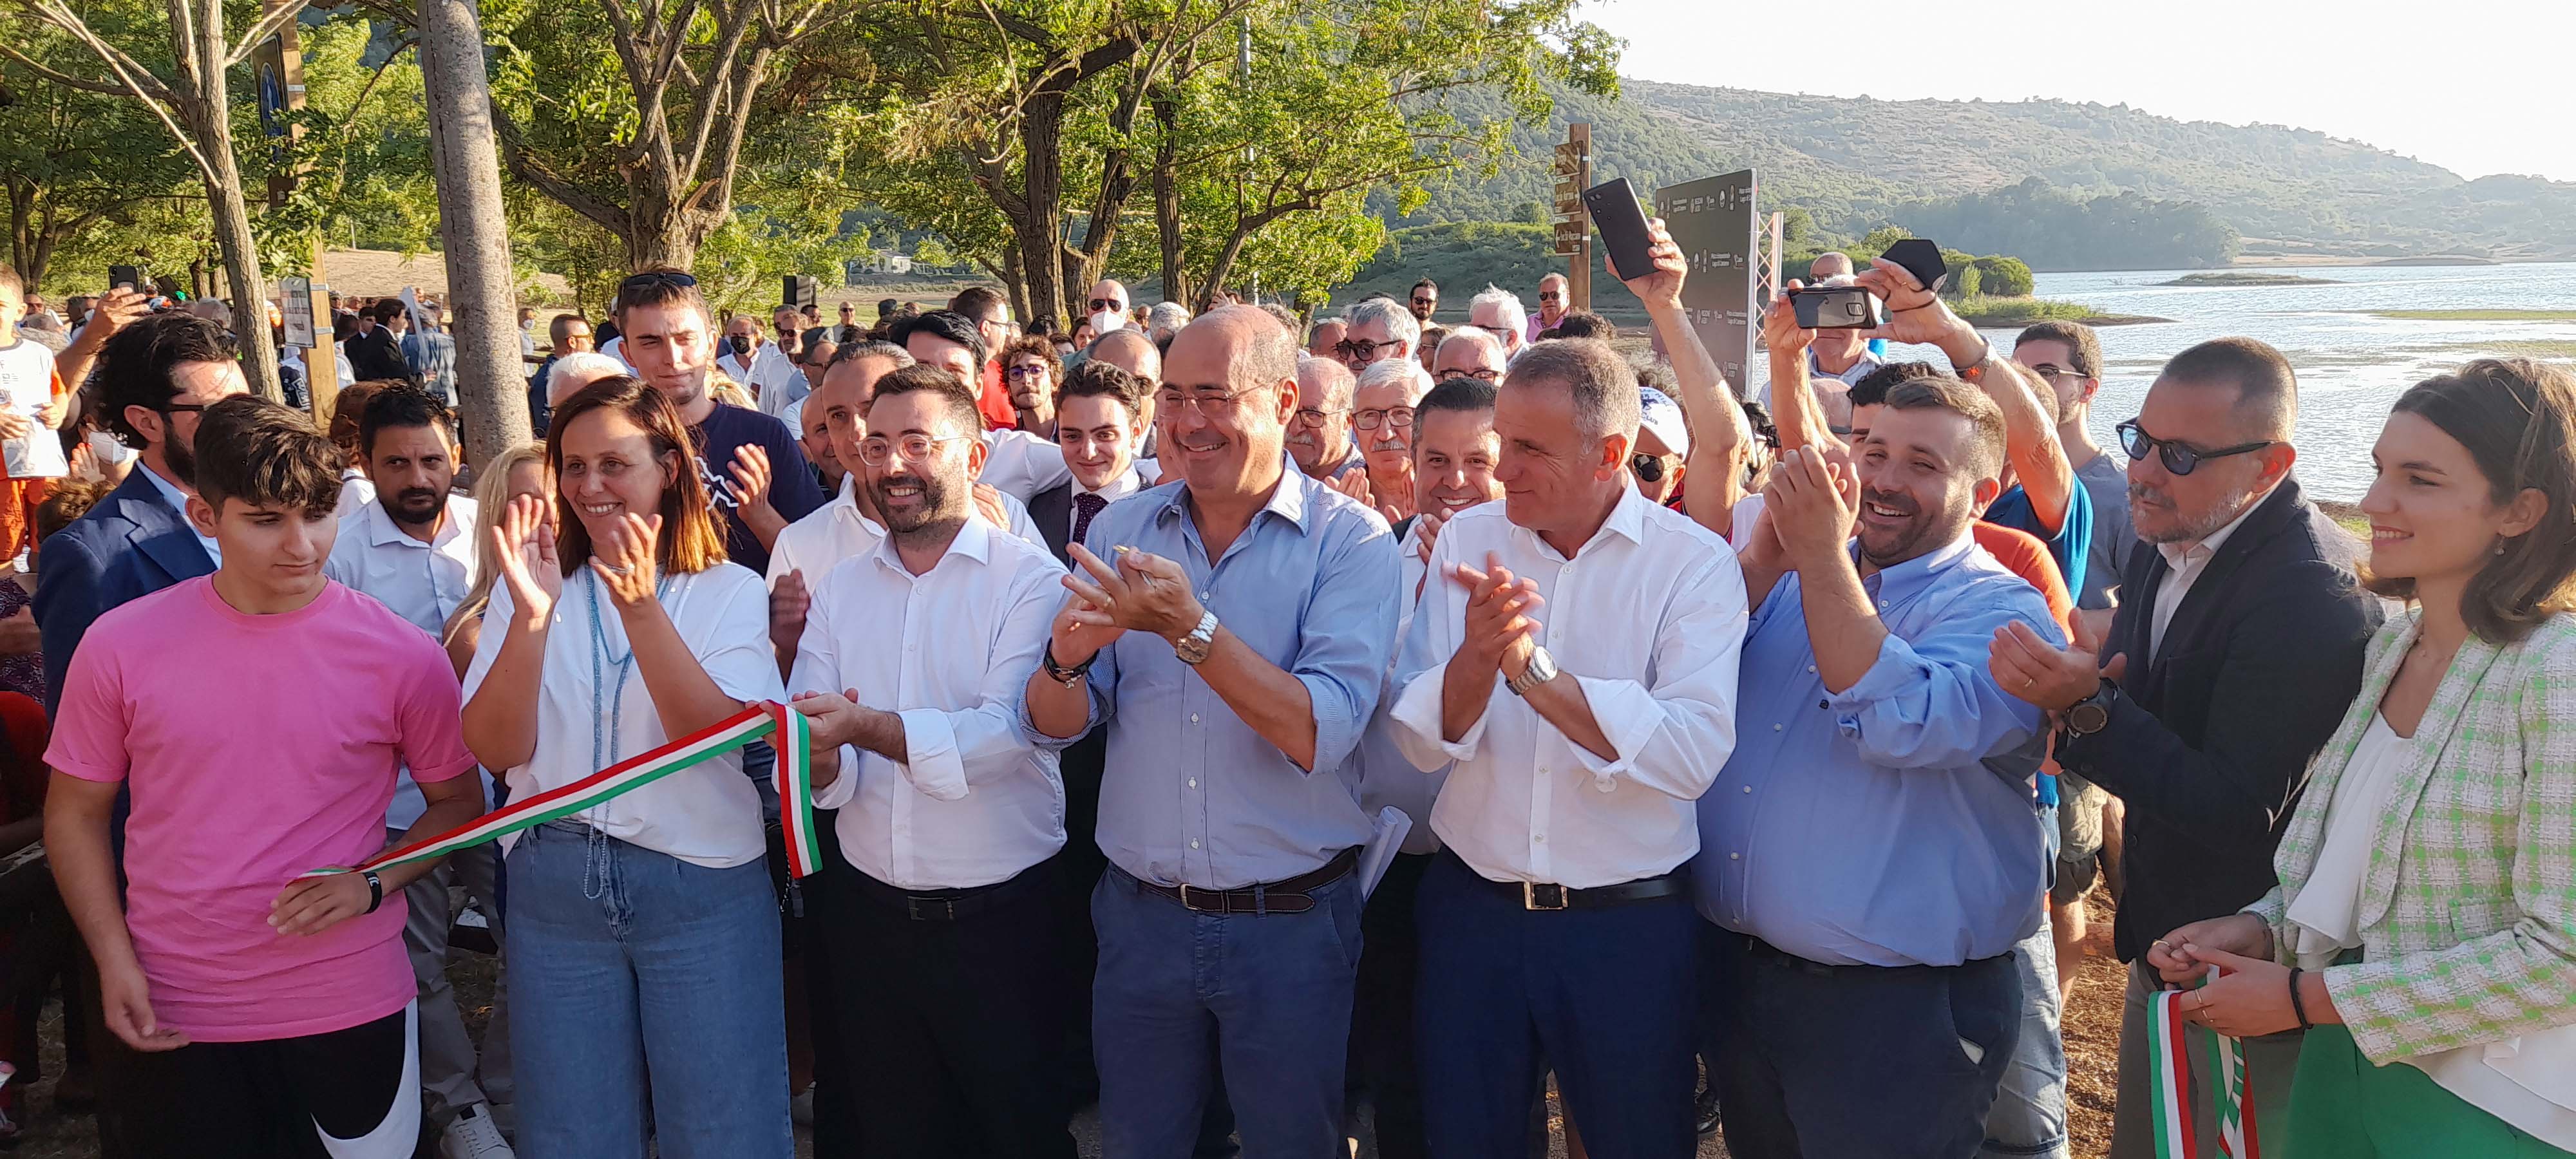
(1482, 374)
(1401, 418)
(1314, 416)
(1367, 351)
(1025, 370)
(1548, 295)
(914, 448)
(2052, 372)
(1208, 403)
(2178, 458)
(1099, 304)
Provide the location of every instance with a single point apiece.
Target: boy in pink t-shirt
(258, 716)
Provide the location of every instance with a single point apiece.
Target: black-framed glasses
(1548, 295)
(1025, 370)
(656, 278)
(1401, 418)
(1365, 350)
(1098, 304)
(2178, 458)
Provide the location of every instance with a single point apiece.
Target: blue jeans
(625, 962)
(1268, 995)
(2029, 1115)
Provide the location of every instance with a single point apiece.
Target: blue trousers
(633, 971)
(1822, 1062)
(1267, 996)
(1608, 997)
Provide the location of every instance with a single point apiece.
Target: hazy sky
(2476, 88)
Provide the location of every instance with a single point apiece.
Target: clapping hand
(1144, 592)
(788, 603)
(1427, 528)
(622, 559)
(751, 478)
(1811, 503)
(526, 541)
(2053, 678)
(1354, 484)
(1499, 633)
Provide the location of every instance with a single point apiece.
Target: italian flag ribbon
(2171, 1043)
(794, 778)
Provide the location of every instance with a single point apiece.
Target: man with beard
(1022, 459)
(1382, 424)
(413, 550)
(749, 460)
(1319, 434)
(1874, 856)
(1233, 652)
(1426, 300)
(153, 380)
(951, 822)
(766, 368)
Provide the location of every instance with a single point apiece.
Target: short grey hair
(575, 371)
(1514, 314)
(1405, 371)
(1603, 384)
(854, 351)
(1165, 320)
(1400, 323)
(1336, 379)
(1471, 336)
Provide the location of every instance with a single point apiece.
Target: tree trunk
(1167, 202)
(205, 108)
(491, 378)
(1016, 286)
(1041, 227)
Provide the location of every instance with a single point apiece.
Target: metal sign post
(1712, 220)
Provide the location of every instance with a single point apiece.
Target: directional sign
(1712, 221)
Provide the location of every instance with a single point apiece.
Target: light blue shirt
(1889, 824)
(179, 503)
(1191, 794)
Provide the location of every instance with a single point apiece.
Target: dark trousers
(1607, 996)
(954, 1030)
(1821, 1062)
(1382, 1056)
(275, 1099)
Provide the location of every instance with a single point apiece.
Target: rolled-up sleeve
(1348, 638)
(1932, 703)
(1674, 735)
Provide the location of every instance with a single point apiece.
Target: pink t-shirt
(256, 748)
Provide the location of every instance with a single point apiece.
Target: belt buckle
(947, 911)
(1542, 895)
(1217, 907)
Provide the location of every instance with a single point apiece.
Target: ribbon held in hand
(794, 778)
(2171, 1042)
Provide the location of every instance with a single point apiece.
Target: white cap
(1657, 412)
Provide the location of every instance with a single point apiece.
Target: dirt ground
(2091, 1032)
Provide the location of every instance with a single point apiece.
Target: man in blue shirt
(1232, 634)
(1870, 852)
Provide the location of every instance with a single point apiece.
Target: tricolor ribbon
(794, 778)
(2171, 1041)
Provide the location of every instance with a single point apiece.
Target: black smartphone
(1622, 222)
(128, 277)
(1921, 258)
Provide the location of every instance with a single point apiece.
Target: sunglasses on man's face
(1548, 295)
(1098, 304)
(2178, 458)
(1426, 301)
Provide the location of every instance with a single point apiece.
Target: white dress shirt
(1387, 776)
(837, 531)
(1020, 464)
(421, 582)
(178, 502)
(769, 373)
(2188, 561)
(1649, 617)
(705, 815)
(974, 802)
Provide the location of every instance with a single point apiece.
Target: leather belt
(1286, 896)
(1757, 948)
(950, 905)
(1548, 896)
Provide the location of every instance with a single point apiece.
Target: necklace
(607, 701)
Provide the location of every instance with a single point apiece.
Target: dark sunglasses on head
(1648, 468)
(2178, 458)
(658, 278)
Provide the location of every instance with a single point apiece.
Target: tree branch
(527, 166)
(263, 28)
(66, 80)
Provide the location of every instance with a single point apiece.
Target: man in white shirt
(413, 550)
(911, 670)
(1557, 925)
(760, 365)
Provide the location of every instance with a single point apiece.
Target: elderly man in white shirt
(760, 365)
(915, 658)
(1574, 654)
(413, 549)
(1499, 312)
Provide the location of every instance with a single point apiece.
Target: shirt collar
(1908, 579)
(1288, 500)
(170, 491)
(1627, 519)
(382, 531)
(1121, 485)
(974, 540)
(2176, 554)
(846, 504)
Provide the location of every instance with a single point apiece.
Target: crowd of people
(1239, 720)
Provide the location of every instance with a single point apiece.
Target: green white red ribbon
(794, 778)
(2171, 1042)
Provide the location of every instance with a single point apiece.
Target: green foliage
(2004, 277)
(2054, 229)
(87, 178)
(1998, 312)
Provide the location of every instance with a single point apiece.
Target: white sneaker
(473, 1136)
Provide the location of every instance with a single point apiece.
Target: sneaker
(800, 1109)
(1705, 1108)
(473, 1136)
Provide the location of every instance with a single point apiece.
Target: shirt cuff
(844, 788)
(1896, 669)
(931, 761)
(1418, 709)
(1628, 716)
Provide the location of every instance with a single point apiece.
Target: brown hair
(692, 540)
(1965, 401)
(659, 287)
(265, 454)
(2083, 346)
(66, 502)
(1038, 346)
(348, 408)
(1093, 377)
(2517, 417)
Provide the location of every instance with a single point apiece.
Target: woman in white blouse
(643, 933)
(2424, 931)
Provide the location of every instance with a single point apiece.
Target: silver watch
(1192, 649)
(1542, 668)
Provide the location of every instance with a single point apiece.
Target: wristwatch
(1542, 668)
(1192, 649)
(1063, 675)
(2093, 713)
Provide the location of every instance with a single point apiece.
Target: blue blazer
(132, 544)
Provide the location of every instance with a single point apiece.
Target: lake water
(2351, 365)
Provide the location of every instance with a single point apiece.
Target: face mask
(741, 343)
(1106, 321)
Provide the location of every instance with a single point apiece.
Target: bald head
(1110, 291)
(1829, 264)
(1130, 350)
(577, 370)
(1260, 350)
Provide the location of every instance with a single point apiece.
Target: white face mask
(1106, 321)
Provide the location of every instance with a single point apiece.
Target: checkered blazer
(2468, 912)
